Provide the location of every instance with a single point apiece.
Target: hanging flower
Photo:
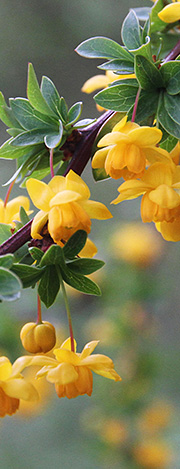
(99, 82)
(10, 212)
(13, 388)
(64, 204)
(160, 186)
(127, 149)
(71, 372)
(170, 13)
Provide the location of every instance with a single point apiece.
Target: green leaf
(29, 117)
(119, 97)
(100, 174)
(101, 47)
(7, 261)
(166, 121)
(174, 83)
(85, 266)
(50, 94)
(142, 13)
(34, 94)
(172, 105)
(147, 73)
(6, 114)
(83, 123)
(131, 32)
(169, 70)
(29, 275)
(31, 137)
(156, 25)
(10, 285)
(53, 139)
(80, 283)
(7, 151)
(119, 66)
(36, 254)
(147, 105)
(75, 244)
(75, 112)
(63, 109)
(5, 232)
(167, 142)
(54, 255)
(49, 286)
(23, 216)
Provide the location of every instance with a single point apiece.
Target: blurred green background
(137, 317)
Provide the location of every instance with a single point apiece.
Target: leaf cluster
(49, 269)
(36, 125)
(141, 54)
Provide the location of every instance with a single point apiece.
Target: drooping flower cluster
(64, 206)
(130, 151)
(70, 372)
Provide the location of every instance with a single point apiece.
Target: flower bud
(37, 338)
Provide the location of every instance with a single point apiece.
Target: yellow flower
(160, 186)
(13, 387)
(175, 153)
(71, 372)
(170, 13)
(99, 82)
(127, 149)
(133, 243)
(156, 417)
(64, 204)
(170, 231)
(10, 212)
(152, 454)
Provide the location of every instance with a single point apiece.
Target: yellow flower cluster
(171, 12)
(70, 372)
(130, 151)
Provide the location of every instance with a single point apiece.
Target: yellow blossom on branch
(71, 372)
(10, 212)
(13, 387)
(127, 149)
(170, 13)
(64, 204)
(160, 186)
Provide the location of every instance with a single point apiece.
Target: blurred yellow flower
(71, 372)
(114, 432)
(136, 243)
(156, 417)
(152, 454)
(161, 199)
(170, 13)
(99, 82)
(13, 388)
(10, 212)
(127, 149)
(64, 205)
(32, 408)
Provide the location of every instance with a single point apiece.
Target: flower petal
(145, 136)
(20, 389)
(84, 383)
(170, 13)
(88, 349)
(165, 196)
(12, 208)
(67, 356)
(40, 193)
(106, 373)
(5, 368)
(89, 250)
(99, 158)
(38, 223)
(63, 374)
(75, 183)
(64, 197)
(112, 139)
(130, 190)
(96, 209)
(95, 83)
(57, 184)
(67, 344)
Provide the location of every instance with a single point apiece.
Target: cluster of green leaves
(49, 269)
(37, 124)
(159, 82)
